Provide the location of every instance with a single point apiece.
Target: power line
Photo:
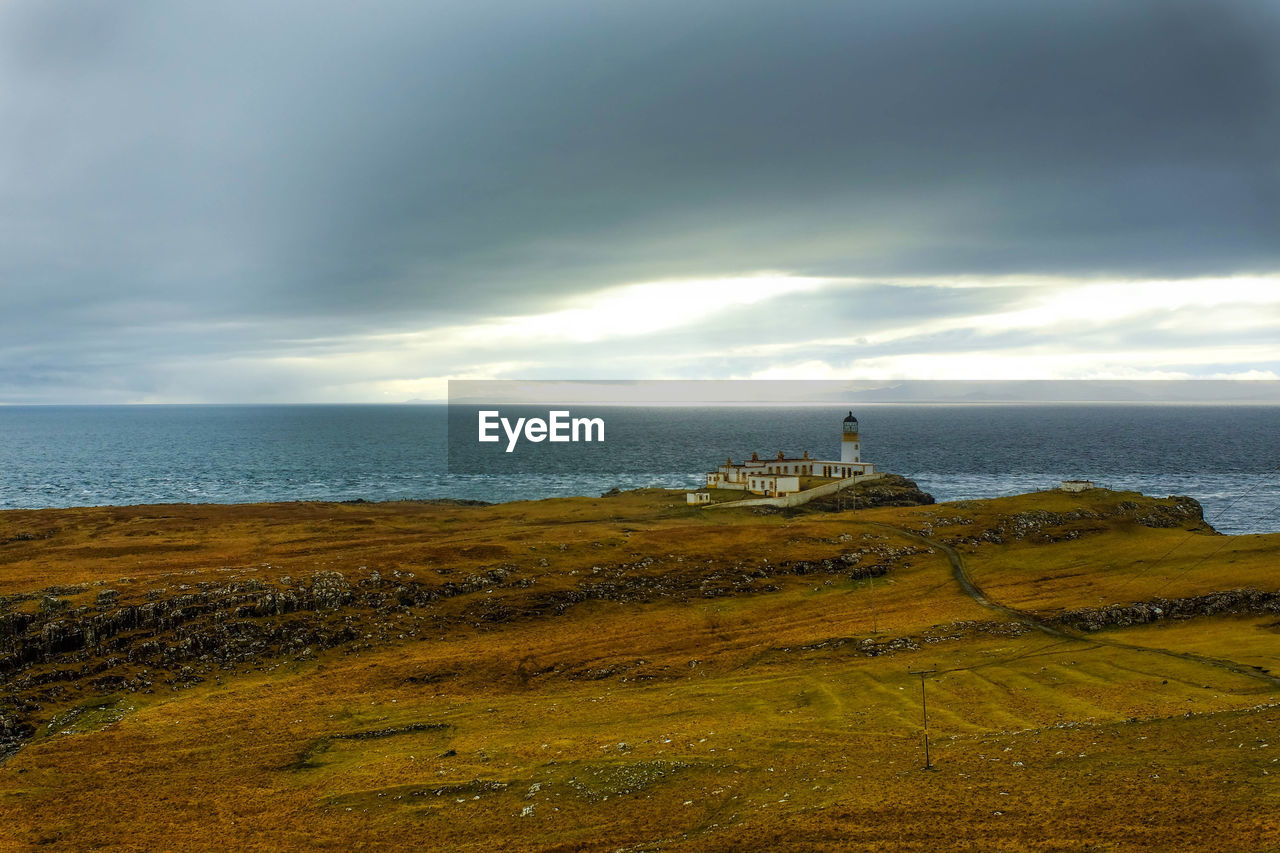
(1127, 584)
(1198, 563)
(1030, 653)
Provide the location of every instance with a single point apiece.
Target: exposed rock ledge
(889, 490)
(1233, 602)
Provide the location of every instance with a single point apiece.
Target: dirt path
(971, 589)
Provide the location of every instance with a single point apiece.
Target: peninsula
(632, 672)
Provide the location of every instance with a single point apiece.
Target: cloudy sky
(319, 201)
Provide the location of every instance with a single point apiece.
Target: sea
(1225, 456)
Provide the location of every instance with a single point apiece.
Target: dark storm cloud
(234, 177)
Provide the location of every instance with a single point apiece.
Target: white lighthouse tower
(849, 447)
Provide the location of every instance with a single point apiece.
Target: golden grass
(1135, 564)
(752, 721)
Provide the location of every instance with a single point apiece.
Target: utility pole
(924, 712)
(875, 609)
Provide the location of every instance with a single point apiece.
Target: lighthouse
(780, 477)
(849, 448)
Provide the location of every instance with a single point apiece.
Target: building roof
(810, 460)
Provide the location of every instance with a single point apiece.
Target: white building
(1076, 485)
(781, 476)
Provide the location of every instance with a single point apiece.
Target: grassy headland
(631, 673)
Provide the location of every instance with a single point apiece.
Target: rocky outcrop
(869, 561)
(53, 649)
(1041, 526)
(877, 646)
(13, 733)
(231, 623)
(1235, 602)
(889, 490)
(1176, 511)
(223, 623)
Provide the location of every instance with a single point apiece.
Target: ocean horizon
(64, 456)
